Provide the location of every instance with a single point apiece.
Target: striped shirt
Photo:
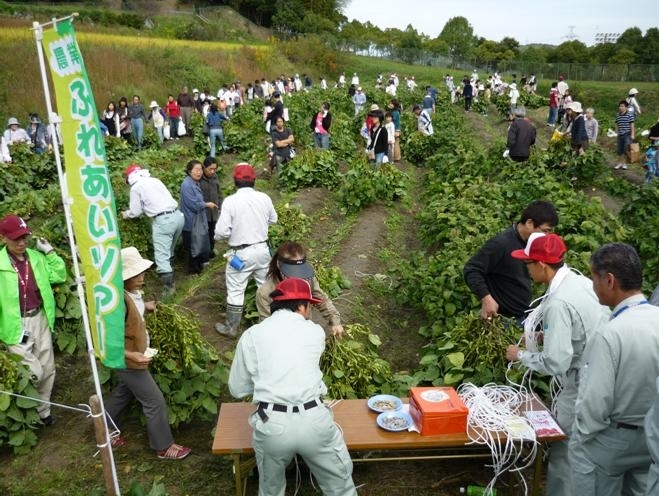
(624, 123)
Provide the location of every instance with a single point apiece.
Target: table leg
(237, 474)
(537, 470)
(241, 469)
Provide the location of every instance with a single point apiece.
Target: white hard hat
(633, 91)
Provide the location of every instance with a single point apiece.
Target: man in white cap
(578, 133)
(27, 306)
(277, 363)
(359, 100)
(567, 316)
(15, 133)
(244, 221)
(149, 196)
(634, 107)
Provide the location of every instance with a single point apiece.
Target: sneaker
(624, 166)
(174, 452)
(620, 166)
(117, 442)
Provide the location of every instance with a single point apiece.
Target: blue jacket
(192, 202)
(214, 119)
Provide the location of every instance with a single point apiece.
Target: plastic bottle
(472, 490)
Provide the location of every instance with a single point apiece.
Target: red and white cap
(540, 247)
(244, 172)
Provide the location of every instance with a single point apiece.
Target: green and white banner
(92, 203)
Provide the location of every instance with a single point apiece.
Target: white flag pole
(66, 202)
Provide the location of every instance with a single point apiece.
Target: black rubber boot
(167, 279)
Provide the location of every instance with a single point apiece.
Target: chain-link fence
(582, 72)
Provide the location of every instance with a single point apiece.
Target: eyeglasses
(25, 239)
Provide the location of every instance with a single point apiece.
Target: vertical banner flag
(92, 205)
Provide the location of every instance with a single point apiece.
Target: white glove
(44, 246)
(124, 214)
(506, 154)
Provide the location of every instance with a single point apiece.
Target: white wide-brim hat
(132, 263)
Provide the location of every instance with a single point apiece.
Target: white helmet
(633, 91)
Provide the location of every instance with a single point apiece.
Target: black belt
(621, 425)
(240, 247)
(31, 313)
(165, 213)
(285, 408)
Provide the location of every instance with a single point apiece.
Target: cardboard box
(438, 410)
(634, 153)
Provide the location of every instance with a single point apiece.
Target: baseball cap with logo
(294, 289)
(540, 247)
(244, 172)
(13, 227)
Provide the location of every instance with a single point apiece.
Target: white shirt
(278, 361)
(18, 136)
(151, 197)
(4, 151)
(562, 87)
(245, 217)
(424, 123)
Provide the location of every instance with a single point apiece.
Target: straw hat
(132, 263)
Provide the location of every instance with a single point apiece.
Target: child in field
(651, 162)
(135, 381)
(391, 134)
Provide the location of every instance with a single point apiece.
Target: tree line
(457, 39)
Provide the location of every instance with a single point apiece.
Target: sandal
(174, 452)
(117, 442)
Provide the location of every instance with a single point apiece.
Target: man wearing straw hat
(27, 305)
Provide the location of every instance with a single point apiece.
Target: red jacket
(173, 110)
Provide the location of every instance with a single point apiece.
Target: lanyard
(23, 279)
(626, 307)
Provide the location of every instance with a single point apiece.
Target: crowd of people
(594, 331)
